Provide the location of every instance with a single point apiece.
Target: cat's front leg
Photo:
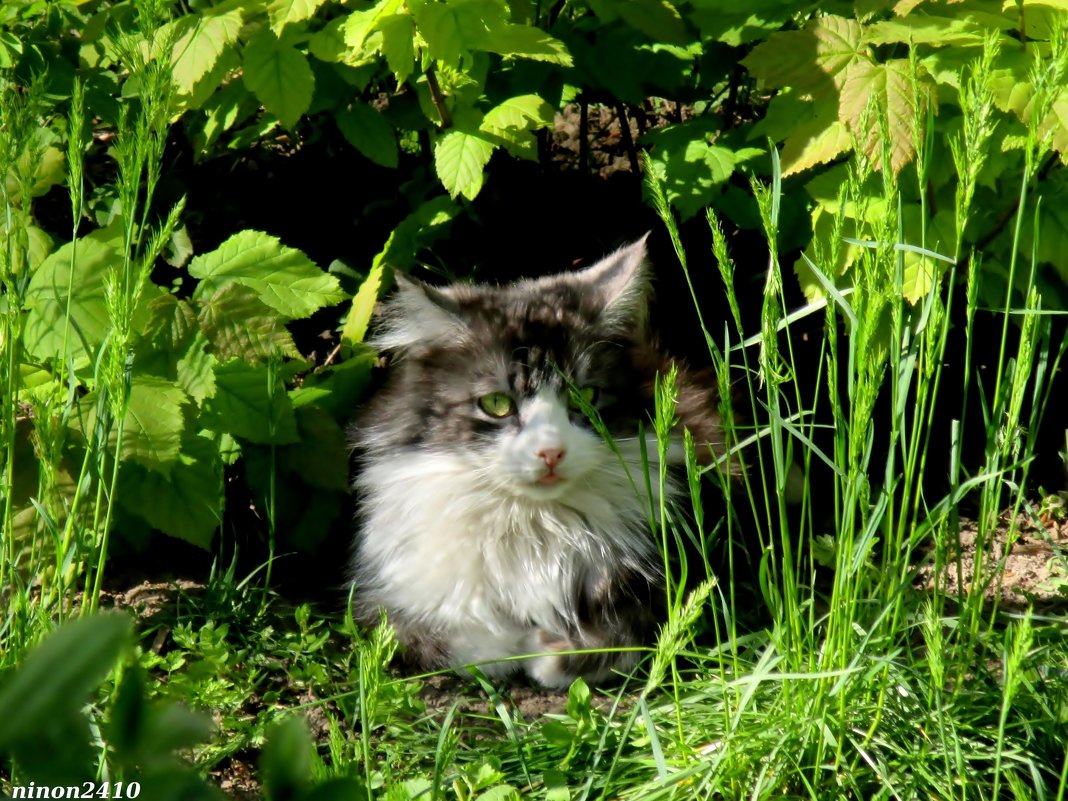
(615, 617)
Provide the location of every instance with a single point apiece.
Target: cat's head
(493, 375)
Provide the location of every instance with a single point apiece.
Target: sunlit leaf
(809, 59)
(284, 278)
(237, 323)
(459, 160)
(248, 404)
(279, 75)
(186, 504)
(285, 12)
(204, 39)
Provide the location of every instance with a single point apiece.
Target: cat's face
(494, 376)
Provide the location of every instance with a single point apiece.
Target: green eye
(587, 396)
(497, 404)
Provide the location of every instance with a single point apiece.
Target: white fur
(470, 546)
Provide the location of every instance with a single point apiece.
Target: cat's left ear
(620, 284)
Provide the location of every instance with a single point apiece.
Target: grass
(858, 685)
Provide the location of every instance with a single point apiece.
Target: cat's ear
(620, 284)
(417, 313)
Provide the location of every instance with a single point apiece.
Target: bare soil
(1020, 566)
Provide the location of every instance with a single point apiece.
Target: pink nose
(551, 456)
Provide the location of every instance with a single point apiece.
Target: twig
(438, 98)
(628, 140)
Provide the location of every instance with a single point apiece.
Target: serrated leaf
(171, 323)
(926, 29)
(46, 298)
(657, 19)
(521, 111)
(809, 127)
(689, 166)
(369, 132)
(321, 458)
(249, 405)
(807, 59)
(438, 26)
(398, 44)
(361, 24)
(170, 327)
(188, 503)
(524, 41)
(57, 676)
(237, 323)
(286, 12)
(339, 387)
(284, 278)
(328, 44)
(890, 85)
(363, 303)
(196, 370)
(279, 75)
(198, 49)
(1055, 125)
(153, 425)
(459, 160)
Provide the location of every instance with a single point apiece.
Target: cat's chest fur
(459, 552)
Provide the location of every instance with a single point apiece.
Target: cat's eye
(583, 396)
(497, 404)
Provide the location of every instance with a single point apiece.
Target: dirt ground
(1034, 553)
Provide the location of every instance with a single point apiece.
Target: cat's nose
(551, 456)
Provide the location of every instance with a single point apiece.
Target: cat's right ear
(417, 313)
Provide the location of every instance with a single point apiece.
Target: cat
(494, 521)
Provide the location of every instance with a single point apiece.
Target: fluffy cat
(494, 521)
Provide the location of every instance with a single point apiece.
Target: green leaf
(152, 427)
(57, 676)
(459, 159)
(398, 44)
(521, 111)
(286, 761)
(808, 59)
(188, 503)
(811, 129)
(657, 19)
(328, 44)
(279, 75)
(152, 431)
(248, 404)
(170, 326)
(286, 12)
(361, 24)
(690, 168)
(196, 370)
(46, 298)
(526, 42)
(363, 304)
(204, 39)
(321, 458)
(338, 388)
(891, 86)
(440, 30)
(237, 323)
(926, 29)
(367, 131)
(285, 279)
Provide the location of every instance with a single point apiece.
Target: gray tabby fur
(474, 550)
